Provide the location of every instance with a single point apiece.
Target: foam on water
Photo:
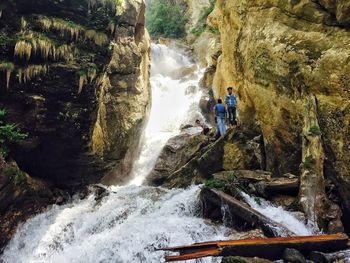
(279, 215)
(125, 226)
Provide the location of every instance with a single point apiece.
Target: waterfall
(173, 104)
(131, 221)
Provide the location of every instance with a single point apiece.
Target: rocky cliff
(288, 62)
(75, 76)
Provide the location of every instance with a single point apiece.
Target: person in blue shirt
(220, 116)
(231, 106)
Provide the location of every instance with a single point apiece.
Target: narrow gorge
(101, 158)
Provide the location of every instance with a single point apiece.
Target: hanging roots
(82, 80)
(8, 67)
(99, 38)
(66, 28)
(42, 46)
(23, 49)
(74, 31)
(30, 72)
(23, 23)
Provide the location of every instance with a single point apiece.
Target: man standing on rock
(220, 116)
(231, 106)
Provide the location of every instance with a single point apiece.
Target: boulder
(21, 196)
(176, 153)
(235, 151)
(293, 256)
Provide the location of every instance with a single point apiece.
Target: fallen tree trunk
(268, 248)
(278, 186)
(215, 197)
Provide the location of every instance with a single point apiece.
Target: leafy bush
(166, 19)
(9, 133)
(229, 184)
(315, 130)
(201, 25)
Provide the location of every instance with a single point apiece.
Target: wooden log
(278, 186)
(268, 248)
(244, 212)
(321, 257)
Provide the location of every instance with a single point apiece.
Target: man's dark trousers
(232, 115)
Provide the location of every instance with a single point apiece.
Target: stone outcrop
(237, 150)
(74, 75)
(20, 197)
(176, 153)
(339, 8)
(277, 53)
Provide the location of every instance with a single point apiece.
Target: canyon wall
(277, 55)
(74, 75)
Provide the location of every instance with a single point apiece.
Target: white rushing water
(279, 215)
(125, 226)
(173, 104)
(131, 221)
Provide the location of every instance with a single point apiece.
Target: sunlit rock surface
(275, 53)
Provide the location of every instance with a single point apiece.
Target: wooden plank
(269, 248)
(245, 212)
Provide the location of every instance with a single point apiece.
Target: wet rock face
(20, 197)
(237, 150)
(176, 153)
(299, 49)
(81, 99)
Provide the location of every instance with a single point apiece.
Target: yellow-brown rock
(275, 53)
(124, 97)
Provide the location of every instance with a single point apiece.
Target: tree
(166, 19)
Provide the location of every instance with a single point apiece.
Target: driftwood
(268, 248)
(321, 257)
(214, 197)
(278, 186)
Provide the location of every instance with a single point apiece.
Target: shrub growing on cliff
(9, 133)
(165, 19)
(201, 25)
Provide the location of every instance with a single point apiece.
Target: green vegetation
(17, 177)
(166, 19)
(315, 130)
(201, 25)
(7, 66)
(309, 162)
(228, 184)
(9, 133)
